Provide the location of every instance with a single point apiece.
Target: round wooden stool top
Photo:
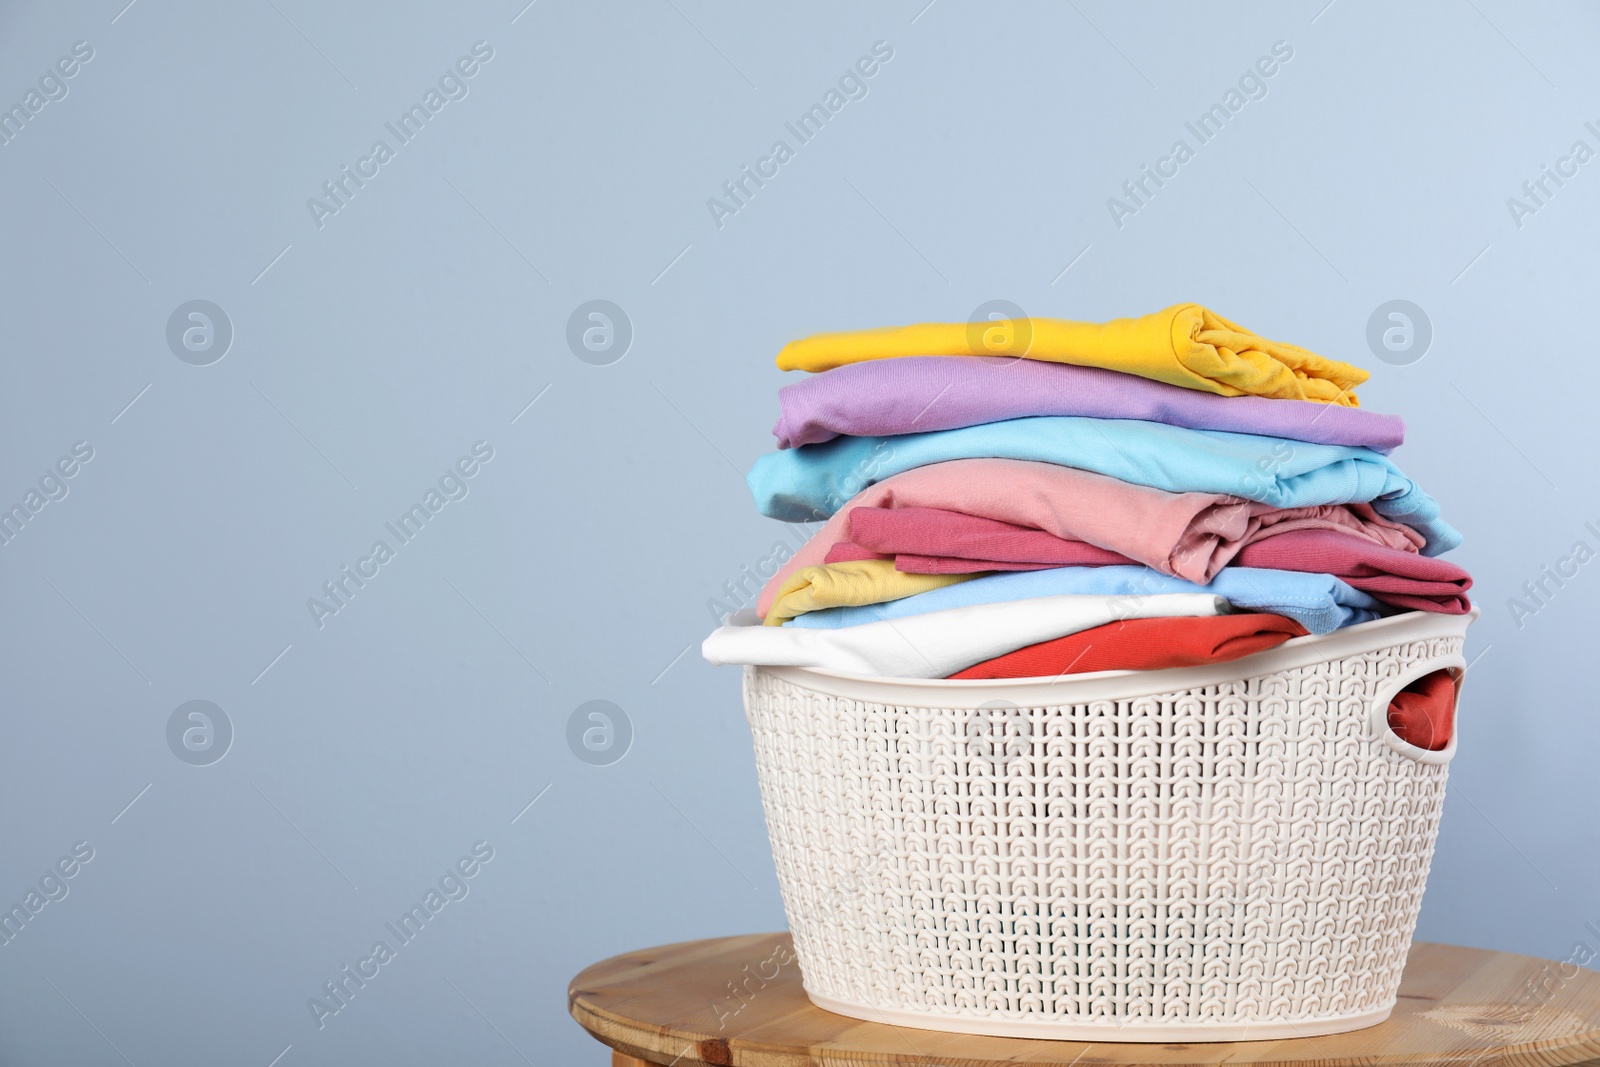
(738, 1001)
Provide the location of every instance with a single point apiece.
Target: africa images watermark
(745, 587)
(1252, 85)
(52, 486)
(453, 885)
(53, 87)
(1538, 192)
(743, 990)
(452, 85)
(852, 85)
(1553, 577)
(52, 887)
(452, 485)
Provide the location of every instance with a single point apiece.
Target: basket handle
(1389, 688)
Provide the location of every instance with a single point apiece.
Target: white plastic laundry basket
(1201, 854)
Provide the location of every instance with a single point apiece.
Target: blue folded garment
(1319, 602)
(812, 482)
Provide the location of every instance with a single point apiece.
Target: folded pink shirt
(1188, 535)
(1404, 579)
(934, 541)
(914, 394)
(938, 541)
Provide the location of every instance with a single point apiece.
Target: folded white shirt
(937, 644)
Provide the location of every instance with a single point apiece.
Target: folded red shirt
(1422, 714)
(938, 541)
(1143, 645)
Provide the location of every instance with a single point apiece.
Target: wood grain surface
(675, 1005)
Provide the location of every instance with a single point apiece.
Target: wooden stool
(719, 1002)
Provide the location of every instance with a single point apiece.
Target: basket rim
(1117, 685)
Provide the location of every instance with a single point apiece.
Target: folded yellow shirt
(851, 584)
(1184, 345)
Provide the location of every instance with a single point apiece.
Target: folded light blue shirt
(814, 481)
(1319, 602)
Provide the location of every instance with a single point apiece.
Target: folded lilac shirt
(914, 394)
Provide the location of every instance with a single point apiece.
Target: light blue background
(427, 313)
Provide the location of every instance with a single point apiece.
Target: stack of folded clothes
(1141, 494)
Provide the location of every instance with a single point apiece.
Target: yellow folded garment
(851, 584)
(1184, 345)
